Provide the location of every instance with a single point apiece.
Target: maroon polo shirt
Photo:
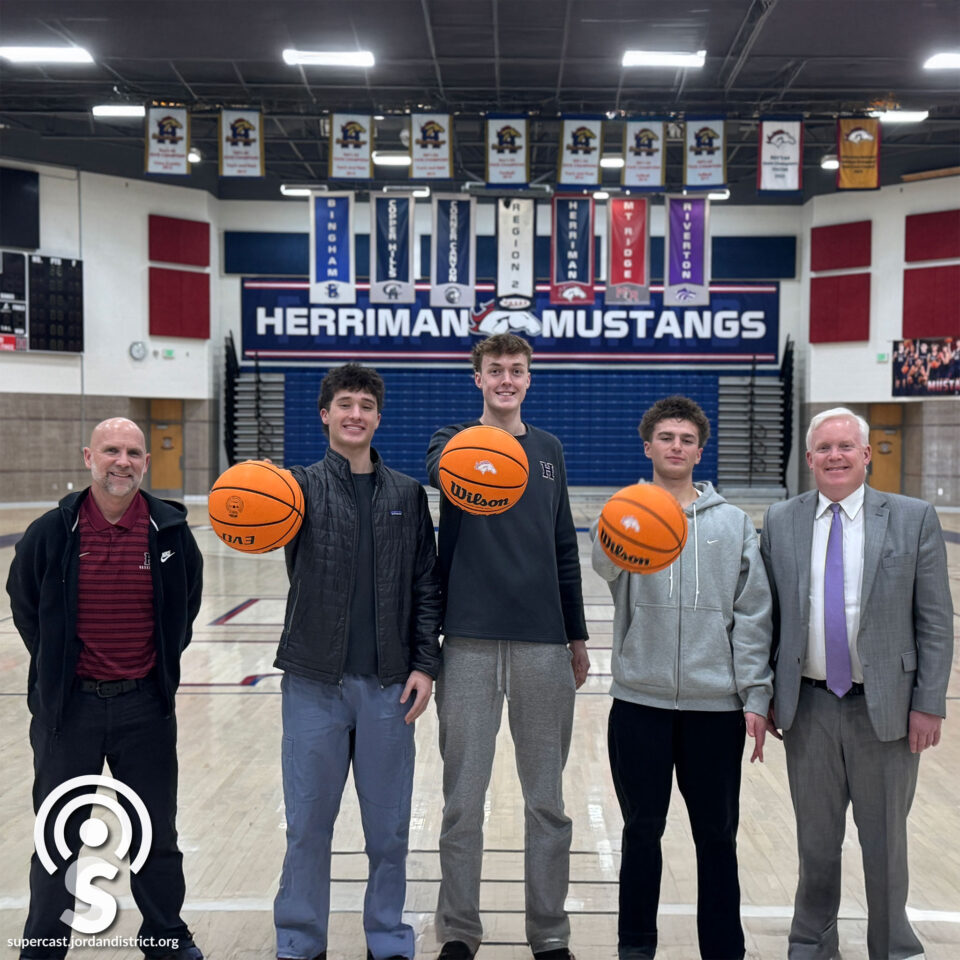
(115, 598)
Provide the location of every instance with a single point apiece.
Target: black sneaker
(455, 950)
(559, 953)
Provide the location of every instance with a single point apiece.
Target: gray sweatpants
(537, 680)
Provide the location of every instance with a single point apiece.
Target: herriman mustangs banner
(571, 250)
(858, 149)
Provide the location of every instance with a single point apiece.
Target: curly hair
(351, 376)
(676, 407)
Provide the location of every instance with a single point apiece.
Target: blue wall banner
(332, 264)
(739, 325)
(571, 250)
(453, 260)
(391, 249)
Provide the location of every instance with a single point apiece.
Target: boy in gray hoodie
(691, 678)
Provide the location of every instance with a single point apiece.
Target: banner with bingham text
(332, 260)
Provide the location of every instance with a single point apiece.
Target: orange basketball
(256, 506)
(483, 470)
(642, 528)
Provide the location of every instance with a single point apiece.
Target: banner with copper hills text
(780, 154)
(391, 250)
(686, 273)
(351, 146)
(705, 153)
(240, 133)
(453, 261)
(515, 279)
(332, 263)
(628, 251)
(645, 148)
(578, 155)
(571, 250)
(858, 149)
(508, 150)
(431, 146)
(167, 140)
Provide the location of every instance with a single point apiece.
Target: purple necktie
(834, 612)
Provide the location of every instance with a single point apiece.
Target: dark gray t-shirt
(362, 635)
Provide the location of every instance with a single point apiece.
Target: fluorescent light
(194, 155)
(601, 195)
(119, 110)
(329, 58)
(382, 159)
(659, 58)
(719, 195)
(943, 61)
(615, 162)
(421, 192)
(46, 54)
(900, 116)
(830, 162)
(289, 190)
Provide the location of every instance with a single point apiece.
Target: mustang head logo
(630, 523)
(484, 466)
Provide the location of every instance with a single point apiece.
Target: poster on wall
(926, 368)
(431, 146)
(332, 258)
(643, 154)
(167, 140)
(241, 143)
(351, 146)
(508, 150)
(578, 154)
(13, 300)
(391, 249)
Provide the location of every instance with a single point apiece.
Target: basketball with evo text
(256, 506)
(483, 470)
(642, 528)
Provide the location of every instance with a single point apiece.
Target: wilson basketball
(642, 528)
(256, 506)
(483, 470)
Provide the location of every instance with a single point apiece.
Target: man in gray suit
(862, 649)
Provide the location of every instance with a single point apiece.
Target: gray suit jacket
(905, 642)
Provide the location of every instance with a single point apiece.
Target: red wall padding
(931, 302)
(179, 304)
(841, 246)
(933, 236)
(179, 241)
(840, 308)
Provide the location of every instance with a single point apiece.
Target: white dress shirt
(851, 516)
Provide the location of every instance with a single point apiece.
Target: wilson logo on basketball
(630, 523)
(616, 551)
(478, 500)
(234, 506)
(484, 466)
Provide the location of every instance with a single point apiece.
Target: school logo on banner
(167, 141)
(241, 143)
(515, 281)
(508, 152)
(628, 251)
(780, 154)
(351, 146)
(643, 154)
(705, 153)
(332, 264)
(391, 250)
(571, 251)
(431, 146)
(453, 257)
(858, 149)
(686, 274)
(578, 160)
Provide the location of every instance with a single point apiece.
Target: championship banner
(628, 251)
(240, 133)
(453, 261)
(571, 250)
(686, 273)
(858, 149)
(780, 154)
(644, 150)
(508, 150)
(704, 153)
(332, 262)
(431, 146)
(167, 140)
(515, 281)
(351, 146)
(578, 156)
(391, 250)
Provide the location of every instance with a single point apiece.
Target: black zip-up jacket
(43, 599)
(320, 565)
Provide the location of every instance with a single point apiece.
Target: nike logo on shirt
(166, 555)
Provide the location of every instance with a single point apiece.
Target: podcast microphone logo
(101, 906)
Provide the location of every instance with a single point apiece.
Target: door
(166, 448)
(886, 441)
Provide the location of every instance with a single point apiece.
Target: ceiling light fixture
(719, 194)
(830, 162)
(46, 54)
(660, 58)
(421, 192)
(611, 162)
(900, 116)
(601, 195)
(382, 159)
(194, 155)
(329, 58)
(114, 110)
(292, 190)
(943, 61)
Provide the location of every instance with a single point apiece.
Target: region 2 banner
(571, 250)
(431, 146)
(686, 273)
(391, 250)
(515, 280)
(453, 260)
(508, 150)
(628, 250)
(332, 263)
(645, 149)
(240, 133)
(705, 153)
(167, 140)
(578, 155)
(780, 154)
(858, 149)
(351, 146)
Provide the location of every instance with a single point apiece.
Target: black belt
(109, 688)
(856, 689)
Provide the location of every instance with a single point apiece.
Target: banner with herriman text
(571, 250)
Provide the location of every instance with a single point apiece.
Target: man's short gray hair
(837, 413)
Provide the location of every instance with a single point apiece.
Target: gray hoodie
(695, 636)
